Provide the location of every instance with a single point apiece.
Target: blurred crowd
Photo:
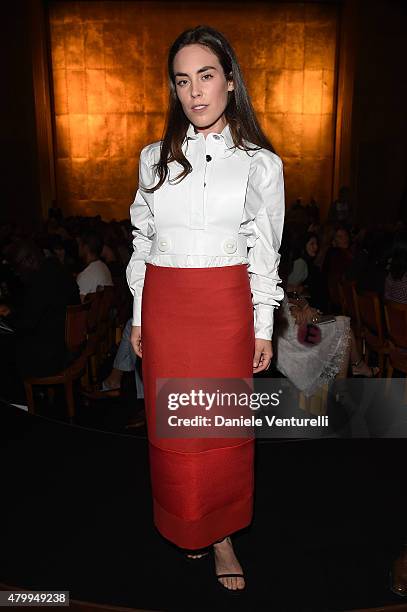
(43, 272)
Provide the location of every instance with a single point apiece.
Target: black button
(208, 158)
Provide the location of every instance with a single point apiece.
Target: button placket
(197, 196)
(212, 147)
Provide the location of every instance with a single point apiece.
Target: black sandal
(228, 575)
(372, 370)
(204, 552)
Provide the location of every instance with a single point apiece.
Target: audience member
(334, 346)
(96, 273)
(38, 311)
(337, 260)
(125, 360)
(314, 283)
(57, 249)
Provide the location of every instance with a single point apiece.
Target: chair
(100, 331)
(349, 303)
(372, 325)
(76, 332)
(396, 323)
(94, 300)
(123, 306)
(106, 326)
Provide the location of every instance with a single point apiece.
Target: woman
(299, 271)
(336, 262)
(314, 282)
(37, 313)
(219, 191)
(309, 366)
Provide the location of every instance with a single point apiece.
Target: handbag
(309, 334)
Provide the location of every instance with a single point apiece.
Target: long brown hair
(239, 111)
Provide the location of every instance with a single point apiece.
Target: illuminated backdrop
(110, 90)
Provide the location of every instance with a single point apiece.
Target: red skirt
(198, 323)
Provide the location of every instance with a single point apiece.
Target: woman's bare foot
(226, 562)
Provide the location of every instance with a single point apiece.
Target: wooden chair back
(347, 291)
(370, 313)
(396, 323)
(123, 300)
(107, 302)
(95, 301)
(76, 326)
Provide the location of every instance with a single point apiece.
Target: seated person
(125, 360)
(297, 269)
(309, 367)
(337, 260)
(57, 249)
(96, 273)
(298, 275)
(305, 276)
(38, 311)
(314, 283)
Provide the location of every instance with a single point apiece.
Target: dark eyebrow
(198, 71)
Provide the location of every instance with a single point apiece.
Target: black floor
(329, 518)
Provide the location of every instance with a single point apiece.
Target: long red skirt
(198, 323)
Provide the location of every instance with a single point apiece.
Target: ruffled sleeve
(265, 200)
(142, 219)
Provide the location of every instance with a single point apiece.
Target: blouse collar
(225, 134)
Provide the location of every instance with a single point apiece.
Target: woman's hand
(263, 352)
(135, 340)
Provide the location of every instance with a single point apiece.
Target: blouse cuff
(136, 311)
(263, 321)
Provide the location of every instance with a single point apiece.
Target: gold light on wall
(110, 90)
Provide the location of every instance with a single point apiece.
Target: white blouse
(229, 210)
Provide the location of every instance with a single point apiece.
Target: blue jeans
(126, 359)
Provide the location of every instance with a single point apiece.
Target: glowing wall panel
(110, 90)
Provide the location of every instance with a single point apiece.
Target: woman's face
(200, 80)
(342, 239)
(312, 247)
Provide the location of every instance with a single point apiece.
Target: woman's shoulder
(300, 263)
(263, 157)
(151, 151)
(266, 168)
